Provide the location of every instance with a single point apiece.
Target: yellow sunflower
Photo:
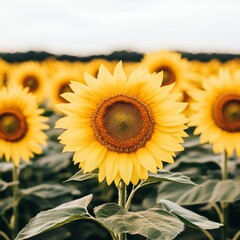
(31, 75)
(20, 125)
(217, 112)
(92, 67)
(175, 68)
(129, 67)
(4, 67)
(124, 127)
(59, 84)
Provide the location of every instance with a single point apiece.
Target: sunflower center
(226, 112)
(13, 126)
(31, 82)
(168, 75)
(123, 124)
(63, 89)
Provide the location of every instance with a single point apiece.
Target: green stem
(224, 166)
(129, 200)
(219, 212)
(207, 234)
(225, 204)
(15, 198)
(236, 236)
(4, 235)
(122, 197)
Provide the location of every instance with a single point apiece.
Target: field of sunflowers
(125, 146)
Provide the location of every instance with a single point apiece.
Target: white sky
(85, 27)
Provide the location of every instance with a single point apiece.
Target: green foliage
(189, 218)
(56, 217)
(153, 224)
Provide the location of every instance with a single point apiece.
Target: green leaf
(196, 162)
(187, 194)
(190, 218)
(166, 176)
(52, 163)
(80, 176)
(6, 167)
(56, 217)
(226, 191)
(6, 204)
(154, 224)
(45, 191)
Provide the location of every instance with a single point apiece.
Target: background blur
(88, 27)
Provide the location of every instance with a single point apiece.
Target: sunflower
(124, 127)
(60, 84)
(30, 75)
(217, 112)
(92, 67)
(129, 67)
(175, 68)
(20, 125)
(4, 67)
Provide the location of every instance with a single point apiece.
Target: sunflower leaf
(166, 176)
(189, 218)
(56, 217)
(153, 223)
(226, 191)
(80, 176)
(186, 194)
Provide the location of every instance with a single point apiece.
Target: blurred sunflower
(217, 112)
(20, 125)
(124, 127)
(175, 68)
(92, 67)
(30, 75)
(205, 69)
(4, 67)
(129, 67)
(60, 84)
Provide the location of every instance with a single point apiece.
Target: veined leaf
(80, 176)
(154, 224)
(187, 194)
(166, 176)
(56, 217)
(45, 191)
(190, 218)
(226, 191)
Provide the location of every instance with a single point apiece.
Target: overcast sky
(101, 26)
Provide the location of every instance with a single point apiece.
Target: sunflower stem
(15, 199)
(236, 236)
(4, 235)
(122, 197)
(225, 204)
(207, 234)
(219, 212)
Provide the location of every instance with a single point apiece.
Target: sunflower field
(122, 146)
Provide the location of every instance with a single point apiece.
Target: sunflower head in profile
(30, 75)
(217, 112)
(124, 127)
(59, 84)
(21, 125)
